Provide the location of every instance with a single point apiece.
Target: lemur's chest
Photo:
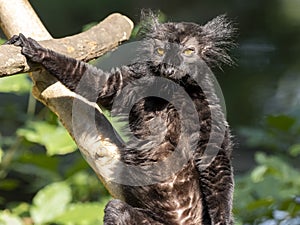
(154, 117)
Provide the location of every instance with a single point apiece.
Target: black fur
(194, 194)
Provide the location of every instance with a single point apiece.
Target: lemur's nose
(169, 71)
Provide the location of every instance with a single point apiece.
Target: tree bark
(16, 17)
(84, 46)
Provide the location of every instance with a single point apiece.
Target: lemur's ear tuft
(218, 38)
(149, 22)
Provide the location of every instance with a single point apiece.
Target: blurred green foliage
(270, 193)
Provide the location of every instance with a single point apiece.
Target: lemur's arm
(78, 76)
(67, 70)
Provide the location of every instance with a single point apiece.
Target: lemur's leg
(118, 212)
(217, 189)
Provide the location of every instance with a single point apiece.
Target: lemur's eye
(189, 51)
(160, 51)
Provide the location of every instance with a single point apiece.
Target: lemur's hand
(30, 47)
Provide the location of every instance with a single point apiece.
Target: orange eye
(160, 51)
(188, 51)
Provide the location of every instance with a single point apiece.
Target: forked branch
(17, 16)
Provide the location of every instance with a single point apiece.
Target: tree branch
(12, 14)
(84, 46)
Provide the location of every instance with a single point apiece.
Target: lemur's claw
(30, 47)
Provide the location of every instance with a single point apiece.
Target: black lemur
(199, 191)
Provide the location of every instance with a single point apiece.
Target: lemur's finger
(14, 40)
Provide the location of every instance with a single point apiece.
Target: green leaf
(295, 150)
(260, 157)
(9, 184)
(50, 202)
(281, 122)
(18, 84)
(54, 138)
(21, 209)
(7, 218)
(40, 160)
(82, 214)
(261, 203)
(257, 175)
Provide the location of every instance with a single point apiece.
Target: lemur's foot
(30, 47)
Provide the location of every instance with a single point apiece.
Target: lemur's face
(174, 49)
(174, 60)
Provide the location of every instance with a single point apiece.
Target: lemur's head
(176, 46)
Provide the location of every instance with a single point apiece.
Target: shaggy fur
(194, 194)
